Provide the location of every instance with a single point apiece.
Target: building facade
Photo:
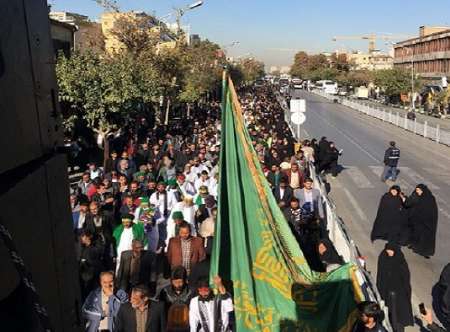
(110, 21)
(429, 53)
(372, 61)
(67, 17)
(62, 35)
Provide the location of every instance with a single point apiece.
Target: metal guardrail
(423, 129)
(339, 235)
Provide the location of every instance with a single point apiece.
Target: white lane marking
(371, 121)
(378, 170)
(349, 138)
(416, 177)
(443, 175)
(355, 204)
(358, 177)
(307, 135)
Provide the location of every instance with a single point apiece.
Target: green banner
(274, 288)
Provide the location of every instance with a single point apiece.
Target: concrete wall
(34, 187)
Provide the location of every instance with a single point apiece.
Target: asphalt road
(358, 189)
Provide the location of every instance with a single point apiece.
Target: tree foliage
(136, 33)
(393, 81)
(356, 78)
(201, 70)
(251, 69)
(318, 66)
(100, 90)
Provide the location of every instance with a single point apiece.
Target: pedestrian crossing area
(369, 177)
(365, 178)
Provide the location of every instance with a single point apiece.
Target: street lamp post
(413, 100)
(226, 47)
(181, 11)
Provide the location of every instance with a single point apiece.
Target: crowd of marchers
(144, 228)
(144, 224)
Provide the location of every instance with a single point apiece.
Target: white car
(297, 83)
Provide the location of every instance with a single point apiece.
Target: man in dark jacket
(391, 158)
(141, 314)
(178, 291)
(370, 318)
(137, 267)
(90, 265)
(283, 194)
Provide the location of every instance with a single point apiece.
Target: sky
(274, 30)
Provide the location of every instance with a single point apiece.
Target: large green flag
(274, 288)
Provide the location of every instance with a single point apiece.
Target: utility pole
(413, 100)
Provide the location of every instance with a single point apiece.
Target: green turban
(178, 215)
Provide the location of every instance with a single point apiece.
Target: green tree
(136, 33)
(356, 78)
(317, 62)
(251, 69)
(393, 81)
(301, 65)
(202, 73)
(103, 91)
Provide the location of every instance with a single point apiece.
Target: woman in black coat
(441, 297)
(329, 256)
(423, 218)
(393, 283)
(391, 222)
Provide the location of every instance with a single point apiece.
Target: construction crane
(109, 5)
(372, 38)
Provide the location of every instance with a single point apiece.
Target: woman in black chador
(394, 285)
(423, 218)
(441, 297)
(391, 222)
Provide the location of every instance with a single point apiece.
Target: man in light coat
(310, 195)
(102, 304)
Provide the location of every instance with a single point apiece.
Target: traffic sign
(298, 118)
(298, 105)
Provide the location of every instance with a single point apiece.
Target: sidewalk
(433, 121)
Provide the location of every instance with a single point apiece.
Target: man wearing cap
(199, 199)
(209, 312)
(180, 215)
(125, 233)
(178, 291)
